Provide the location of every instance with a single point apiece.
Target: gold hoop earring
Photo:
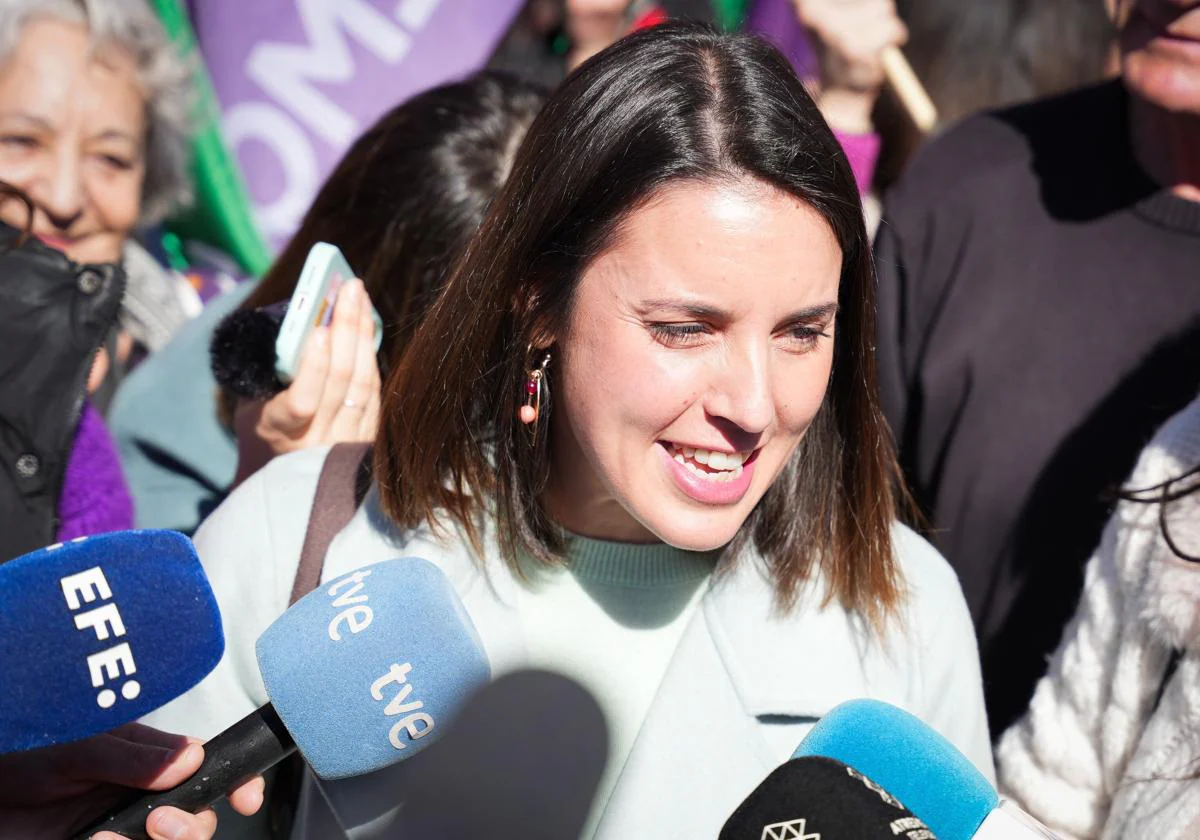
(534, 383)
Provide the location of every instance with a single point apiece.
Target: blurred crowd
(1031, 314)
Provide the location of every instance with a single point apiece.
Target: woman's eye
(674, 335)
(18, 141)
(116, 162)
(806, 338)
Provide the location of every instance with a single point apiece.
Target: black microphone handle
(254, 744)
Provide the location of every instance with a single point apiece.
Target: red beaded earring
(528, 413)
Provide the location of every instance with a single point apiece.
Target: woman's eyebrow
(37, 121)
(700, 310)
(682, 306)
(114, 134)
(812, 313)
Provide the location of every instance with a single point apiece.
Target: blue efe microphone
(923, 770)
(97, 632)
(363, 672)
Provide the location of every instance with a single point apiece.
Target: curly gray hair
(164, 76)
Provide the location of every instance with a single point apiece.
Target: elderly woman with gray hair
(93, 117)
(94, 110)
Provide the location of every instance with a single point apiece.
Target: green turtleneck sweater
(611, 620)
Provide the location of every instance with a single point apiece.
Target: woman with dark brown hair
(638, 431)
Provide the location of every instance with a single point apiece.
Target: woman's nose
(741, 391)
(61, 196)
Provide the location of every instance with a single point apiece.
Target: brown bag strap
(344, 478)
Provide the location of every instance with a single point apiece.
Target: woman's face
(72, 131)
(696, 354)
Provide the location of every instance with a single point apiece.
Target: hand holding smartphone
(324, 273)
(332, 379)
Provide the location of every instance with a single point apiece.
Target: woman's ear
(542, 341)
(542, 335)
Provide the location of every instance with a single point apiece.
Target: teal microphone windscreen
(908, 759)
(365, 670)
(100, 631)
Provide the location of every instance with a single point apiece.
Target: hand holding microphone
(95, 633)
(55, 791)
(362, 673)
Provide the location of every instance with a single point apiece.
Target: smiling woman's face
(72, 131)
(696, 355)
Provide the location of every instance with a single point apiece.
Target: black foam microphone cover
(814, 798)
(242, 352)
(522, 761)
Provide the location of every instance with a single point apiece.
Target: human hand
(333, 399)
(55, 792)
(849, 38)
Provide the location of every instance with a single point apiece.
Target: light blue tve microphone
(923, 770)
(363, 672)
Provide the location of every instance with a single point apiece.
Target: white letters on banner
(286, 73)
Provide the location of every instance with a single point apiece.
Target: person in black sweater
(1039, 317)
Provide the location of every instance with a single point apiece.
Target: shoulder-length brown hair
(675, 103)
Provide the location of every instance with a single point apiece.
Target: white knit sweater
(1099, 754)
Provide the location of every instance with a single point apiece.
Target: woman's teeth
(722, 466)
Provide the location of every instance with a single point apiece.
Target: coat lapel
(696, 755)
(744, 686)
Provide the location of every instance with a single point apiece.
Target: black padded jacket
(54, 317)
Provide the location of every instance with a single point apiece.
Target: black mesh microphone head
(814, 798)
(521, 761)
(242, 352)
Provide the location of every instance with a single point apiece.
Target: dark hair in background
(404, 200)
(1163, 494)
(974, 56)
(672, 104)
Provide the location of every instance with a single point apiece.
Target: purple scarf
(95, 498)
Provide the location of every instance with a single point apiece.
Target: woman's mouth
(708, 464)
(709, 476)
(59, 243)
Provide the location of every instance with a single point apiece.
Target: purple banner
(299, 80)
(776, 21)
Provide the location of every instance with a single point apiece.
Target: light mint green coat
(744, 686)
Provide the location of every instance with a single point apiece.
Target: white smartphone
(311, 306)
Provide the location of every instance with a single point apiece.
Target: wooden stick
(909, 89)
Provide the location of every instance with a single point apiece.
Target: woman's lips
(57, 242)
(722, 483)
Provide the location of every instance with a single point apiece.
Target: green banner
(220, 215)
(731, 14)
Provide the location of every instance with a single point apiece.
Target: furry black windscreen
(242, 352)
